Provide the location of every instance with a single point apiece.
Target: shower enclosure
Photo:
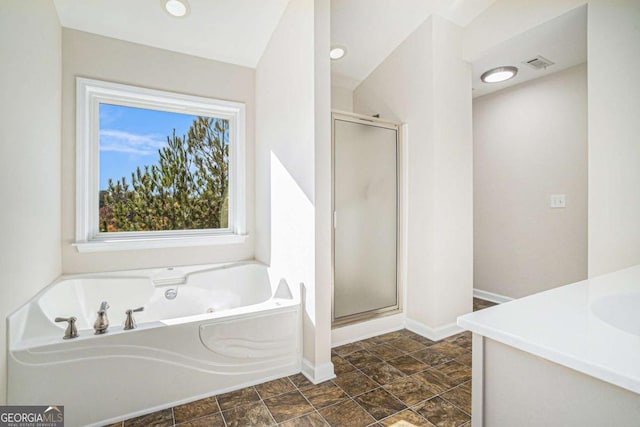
(366, 159)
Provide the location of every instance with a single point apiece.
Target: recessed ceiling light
(499, 74)
(337, 52)
(177, 8)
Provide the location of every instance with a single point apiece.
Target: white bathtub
(229, 326)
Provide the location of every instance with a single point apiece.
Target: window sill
(158, 243)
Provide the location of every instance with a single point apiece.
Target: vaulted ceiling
(372, 29)
(237, 31)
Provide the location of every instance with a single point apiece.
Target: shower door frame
(398, 307)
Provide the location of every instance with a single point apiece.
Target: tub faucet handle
(71, 331)
(129, 322)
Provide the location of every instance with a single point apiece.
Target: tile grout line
(219, 412)
(354, 397)
(312, 405)
(302, 416)
(443, 398)
(260, 400)
(275, 423)
(409, 408)
(265, 405)
(456, 406)
(224, 421)
(296, 388)
(349, 397)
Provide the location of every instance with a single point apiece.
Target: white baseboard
(372, 328)
(317, 373)
(490, 296)
(363, 330)
(434, 334)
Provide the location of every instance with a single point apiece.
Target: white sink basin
(621, 311)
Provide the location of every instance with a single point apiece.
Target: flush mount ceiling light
(499, 74)
(337, 52)
(177, 8)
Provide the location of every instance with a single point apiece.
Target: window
(157, 169)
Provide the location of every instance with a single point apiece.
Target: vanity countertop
(592, 326)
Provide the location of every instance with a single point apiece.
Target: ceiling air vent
(538, 63)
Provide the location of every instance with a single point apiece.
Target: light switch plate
(558, 201)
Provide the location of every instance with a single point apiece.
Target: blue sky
(130, 137)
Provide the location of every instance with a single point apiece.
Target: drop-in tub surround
(204, 330)
(591, 327)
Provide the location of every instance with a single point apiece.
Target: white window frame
(89, 95)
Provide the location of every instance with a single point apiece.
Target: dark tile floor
(395, 379)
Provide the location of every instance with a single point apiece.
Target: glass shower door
(365, 156)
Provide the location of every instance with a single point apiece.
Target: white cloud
(127, 142)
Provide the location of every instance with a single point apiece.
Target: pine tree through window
(147, 184)
(157, 169)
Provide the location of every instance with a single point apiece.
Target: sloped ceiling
(237, 31)
(234, 31)
(371, 29)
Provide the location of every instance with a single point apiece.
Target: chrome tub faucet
(102, 322)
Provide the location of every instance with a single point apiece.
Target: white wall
(103, 58)
(292, 165)
(30, 47)
(614, 135)
(341, 98)
(613, 109)
(425, 84)
(321, 365)
(530, 141)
